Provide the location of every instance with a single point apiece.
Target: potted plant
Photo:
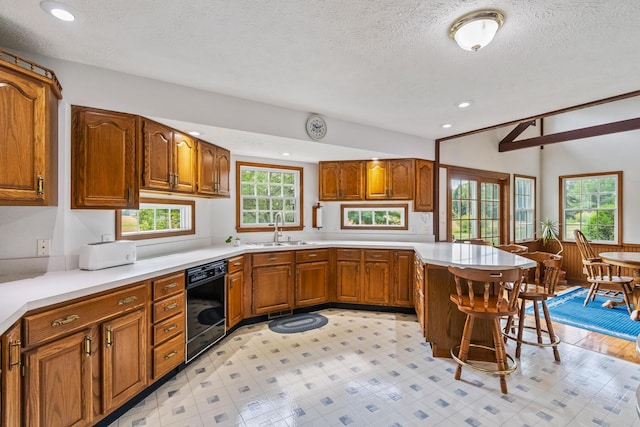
(235, 240)
(549, 232)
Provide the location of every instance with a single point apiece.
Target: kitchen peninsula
(59, 321)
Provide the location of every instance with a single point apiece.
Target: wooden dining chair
(489, 295)
(538, 285)
(473, 241)
(605, 279)
(513, 248)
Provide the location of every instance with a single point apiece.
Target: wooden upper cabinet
(424, 186)
(184, 163)
(104, 165)
(156, 154)
(390, 179)
(28, 135)
(341, 180)
(214, 164)
(169, 159)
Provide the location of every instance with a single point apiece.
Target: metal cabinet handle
(129, 192)
(313, 255)
(170, 286)
(236, 264)
(171, 328)
(40, 189)
(109, 337)
(68, 319)
(127, 300)
(170, 306)
(170, 355)
(272, 258)
(87, 345)
(376, 255)
(14, 354)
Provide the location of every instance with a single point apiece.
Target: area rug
(298, 323)
(568, 309)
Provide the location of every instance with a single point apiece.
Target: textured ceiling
(384, 63)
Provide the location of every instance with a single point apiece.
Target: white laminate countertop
(20, 296)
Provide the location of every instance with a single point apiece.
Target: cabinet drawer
(168, 328)
(168, 355)
(168, 307)
(235, 264)
(348, 254)
(168, 285)
(54, 323)
(312, 255)
(377, 255)
(272, 258)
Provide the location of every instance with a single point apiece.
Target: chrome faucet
(277, 233)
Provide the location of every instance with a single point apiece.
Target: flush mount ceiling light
(463, 104)
(447, 125)
(59, 10)
(475, 30)
(194, 133)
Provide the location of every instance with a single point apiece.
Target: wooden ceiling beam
(605, 129)
(517, 131)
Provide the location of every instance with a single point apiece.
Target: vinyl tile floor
(374, 369)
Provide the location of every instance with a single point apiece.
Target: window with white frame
(263, 191)
(524, 211)
(590, 203)
(156, 218)
(374, 217)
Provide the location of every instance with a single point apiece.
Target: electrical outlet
(43, 247)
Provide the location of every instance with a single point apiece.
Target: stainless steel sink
(284, 243)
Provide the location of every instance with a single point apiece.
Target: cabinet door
(157, 142)
(376, 282)
(184, 163)
(402, 286)
(235, 285)
(124, 359)
(348, 281)
(376, 185)
(312, 283)
(58, 382)
(352, 180)
(418, 295)
(222, 168)
(24, 140)
(424, 186)
(272, 289)
(11, 396)
(206, 168)
(401, 179)
(104, 172)
(329, 180)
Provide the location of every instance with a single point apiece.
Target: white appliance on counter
(96, 256)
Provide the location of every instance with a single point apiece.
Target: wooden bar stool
(490, 295)
(538, 288)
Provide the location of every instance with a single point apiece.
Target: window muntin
(380, 217)
(265, 190)
(524, 211)
(590, 203)
(156, 218)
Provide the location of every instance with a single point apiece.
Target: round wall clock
(316, 127)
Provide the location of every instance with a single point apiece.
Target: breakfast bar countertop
(21, 296)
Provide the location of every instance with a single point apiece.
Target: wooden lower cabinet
(58, 381)
(377, 274)
(348, 279)
(419, 294)
(235, 291)
(272, 282)
(312, 277)
(124, 359)
(402, 283)
(11, 378)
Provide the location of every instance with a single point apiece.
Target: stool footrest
(555, 340)
(507, 371)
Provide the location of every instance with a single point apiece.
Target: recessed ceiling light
(286, 154)
(59, 10)
(463, 104)
(194, 133)
(447, 125)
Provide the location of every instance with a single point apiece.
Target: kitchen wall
(21, 227)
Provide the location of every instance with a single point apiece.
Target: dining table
(629, 260)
